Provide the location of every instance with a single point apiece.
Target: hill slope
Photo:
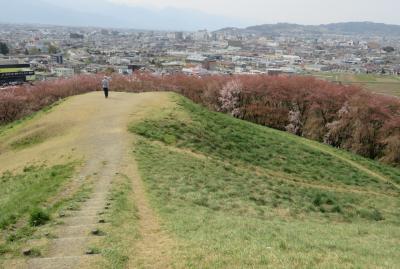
(240, 195)
(206, 191)
(345, 28)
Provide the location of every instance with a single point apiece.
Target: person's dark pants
(105, 92)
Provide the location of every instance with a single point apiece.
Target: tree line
(345, 117)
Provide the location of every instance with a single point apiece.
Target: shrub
(4, 249)
(318, 200)
(38, 217)
(374, 214)
(169, 139)
(336, 209)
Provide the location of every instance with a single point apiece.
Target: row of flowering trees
(342, 116)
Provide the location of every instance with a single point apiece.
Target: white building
(63, 72)
(201, 35)
(292, 59)
(118, 61)
(124, 70)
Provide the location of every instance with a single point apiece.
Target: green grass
(22, 193)
(226, 138)
(29, 140)
(25, 204)
(123, 233)
(237, 195)
(384, 84)
(39, 217)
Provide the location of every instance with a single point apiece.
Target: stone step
(76, 231)
(82, 220)
(73, 246)
(87, 213)
(88, 225)
(97, 197)
(94, 207)
(67, 262)
(94, 202)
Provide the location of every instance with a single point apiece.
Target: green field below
(238, 195)
(384, 84)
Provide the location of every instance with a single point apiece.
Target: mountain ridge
(108, 15)
(344, 28)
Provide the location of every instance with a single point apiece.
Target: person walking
(106, 85)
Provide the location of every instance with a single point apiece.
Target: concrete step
(67, 262)
(87, 213)
(72, 246)
(76, 231)
(92, 208)
(82, 220)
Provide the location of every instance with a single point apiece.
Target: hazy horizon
(267, 11)
(195, 14)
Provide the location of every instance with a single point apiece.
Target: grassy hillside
(237, 195)
(227, 193)
(21, 193)
(30, 199)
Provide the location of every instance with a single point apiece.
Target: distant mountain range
(345, 28)
(102, 13)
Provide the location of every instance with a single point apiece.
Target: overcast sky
(296, 11)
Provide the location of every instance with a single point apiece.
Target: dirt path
(97, 132)
(154, 248)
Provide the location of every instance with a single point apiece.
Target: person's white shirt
(106, 83)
